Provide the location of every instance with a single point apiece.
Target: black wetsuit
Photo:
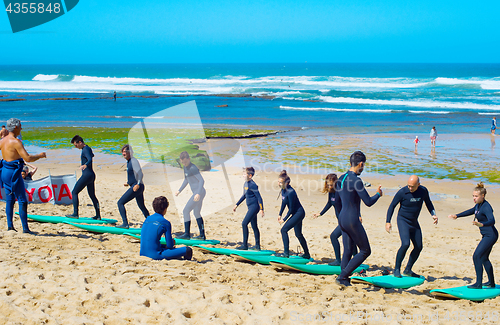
(408, 226)
(193, 177)
(254, 204)
(293, 219)
(87, 180)
(484, 214)
(348, 195)
(134, 177)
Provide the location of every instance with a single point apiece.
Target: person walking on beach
(114, 96)
(87, 180)
(14, 155)
(135, 184)
(294, 216)
(416, 141)
(3, 132)
(493, 125)
(433, 136)
(154, 228)
(192, 176)
(410, 199)
(349, 192)
(255, 205)
(484, 219)
(27, 174)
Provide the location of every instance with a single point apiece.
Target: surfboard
(318, 269)
(60, 219)
(389, 281)
(230, 251)
(466, 293)
(186, 242)
(267, 259)
(106, 229)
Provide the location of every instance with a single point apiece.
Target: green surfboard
(230, 251)
(186, 242)
(389, 281)
(106, 229)
(267, 259)
(466, 293)
(319, 269)
(59, 219)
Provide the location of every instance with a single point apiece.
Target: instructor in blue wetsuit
(294, 216)
(156, 226)
(87, 180)
(348, 195)
(192, 177)
(410, 198)
(484, 219)
(136, 190)
(254, 204)
(11, 167)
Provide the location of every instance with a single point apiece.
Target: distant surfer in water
(255, 205)
(192, 176)
(410, 199)
(87, 180)
(484, 219)
(11, 167)
(154, 228)
(294, 216)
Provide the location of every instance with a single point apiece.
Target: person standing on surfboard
(329, 188)
(484, 219)
(136, 186)
(349, 192)
(254, 204)
(192, 177)
(11, 168)
(410, 198)
(294, 216)
(156, 226)
(87, 180)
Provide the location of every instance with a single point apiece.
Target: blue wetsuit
(134, 177)
(408, 226)
(348, 195)
(153, 228)
(193, 177)
(484, 214)
(10, 176)
(254, 204)
(293, 219)
(87, 180)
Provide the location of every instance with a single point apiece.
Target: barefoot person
(483, 218)
(294, 216)
(135, 184)
(11, 168)
(87, 180)
(156, 226)
(3, 132)
(410, 198)
(348, 195)
(27, 174)
(433, 136)
(192, 177)
(493, 125)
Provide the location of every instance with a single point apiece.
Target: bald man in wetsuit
(410, 198)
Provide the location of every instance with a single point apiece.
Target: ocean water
(358, 98)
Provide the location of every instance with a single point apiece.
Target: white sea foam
(340, 109)
(484, 84)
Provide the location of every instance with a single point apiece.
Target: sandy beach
(64, 274)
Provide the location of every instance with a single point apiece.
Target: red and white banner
(50, 189)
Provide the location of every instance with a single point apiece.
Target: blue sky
(154, 31)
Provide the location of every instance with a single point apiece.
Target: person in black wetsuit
(410, 198)
(254, 204)
(196, 182)
(349, 192)
(87, 179)
(156, 226)
(329, 188)
(484, 219)
(136, 190)
(294, 216)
